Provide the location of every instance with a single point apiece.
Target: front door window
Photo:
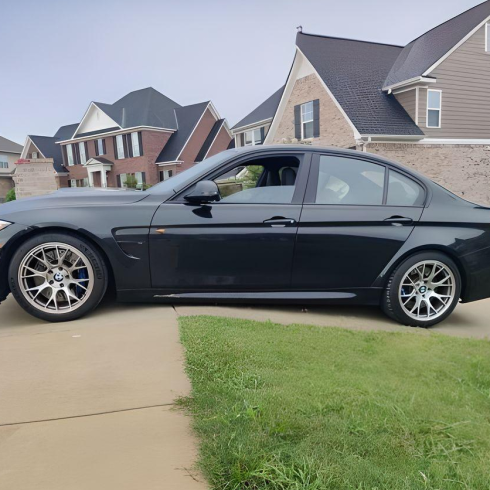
(266, 181)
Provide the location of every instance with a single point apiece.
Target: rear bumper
(477, 270)
(8, 240)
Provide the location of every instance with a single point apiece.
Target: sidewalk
(89, 404)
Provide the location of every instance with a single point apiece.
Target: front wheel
(423, 290)
(57, 277)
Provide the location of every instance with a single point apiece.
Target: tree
(10, 195)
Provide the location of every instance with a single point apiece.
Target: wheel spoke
(57, 292)
(427, 290)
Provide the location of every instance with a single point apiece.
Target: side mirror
(205, 191)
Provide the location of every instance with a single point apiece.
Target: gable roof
(66, 132)
(145, 107)
(48, 147)
(9, 146)
(422, 53)
(264, 111)
(187, 117)
(209, 140)
(354, 71)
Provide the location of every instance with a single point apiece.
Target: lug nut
(62, 285)
(51, 282)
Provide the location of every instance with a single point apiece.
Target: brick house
(425, 105)
(144, 135)
(9, 153)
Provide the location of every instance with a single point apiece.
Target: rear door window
(349, 181)
(403, 191)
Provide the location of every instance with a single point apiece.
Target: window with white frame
(69, 155)
(79, 182)
(4, 163)
(487, 38)
(83, 155)
(434, 104)
(307, 120)
(34, 154)
(165, 174)
(120, 146)
(100, 147)
(134, 180)
(252, 138)
(135, 143)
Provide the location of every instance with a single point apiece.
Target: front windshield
(188, 176)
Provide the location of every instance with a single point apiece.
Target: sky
(56, 56)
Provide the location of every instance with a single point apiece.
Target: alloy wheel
(56, 278)
(427, 290)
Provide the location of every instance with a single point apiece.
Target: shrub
(10, 195)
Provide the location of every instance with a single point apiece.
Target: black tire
(391, 301)
(100, 276)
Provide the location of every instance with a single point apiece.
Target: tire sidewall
(96, 261)
(393, 299)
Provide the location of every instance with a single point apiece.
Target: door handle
(279, 222)
(399, 220)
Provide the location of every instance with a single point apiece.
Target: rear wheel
(423, 290)
(57, 277)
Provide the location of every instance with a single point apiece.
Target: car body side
(119, 225)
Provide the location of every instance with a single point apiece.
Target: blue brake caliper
(82, 274)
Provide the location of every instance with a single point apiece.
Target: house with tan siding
(142, 138)
(426, 104)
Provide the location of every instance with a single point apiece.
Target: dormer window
(434, 105)
(253, 137)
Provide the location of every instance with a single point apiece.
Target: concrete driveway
(89, 404)
(470, 320)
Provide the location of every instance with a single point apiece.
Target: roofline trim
(410, 81)
(197, 124)
(289, 82)
(112, 133)
(351, 39)
(86, 114)
(24, 150)
(455, 47)
(240, 129)
(414, 137)
(164, 164)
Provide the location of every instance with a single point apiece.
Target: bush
(10, 195)
(131, 182)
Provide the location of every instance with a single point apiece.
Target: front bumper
(8, 241)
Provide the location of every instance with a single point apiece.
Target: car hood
(66, 198)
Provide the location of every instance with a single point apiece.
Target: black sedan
(259, 224)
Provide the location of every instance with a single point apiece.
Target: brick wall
(220, 143)
(334, 129)
(196, 141)
(153, 143)
(463, 169)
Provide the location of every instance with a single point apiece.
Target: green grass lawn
(302, 407)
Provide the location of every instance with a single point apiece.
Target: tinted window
(266, 181)
(348, 181)
(403, 191)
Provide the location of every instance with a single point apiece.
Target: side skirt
(368, 296)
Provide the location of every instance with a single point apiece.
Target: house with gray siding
(426, 104)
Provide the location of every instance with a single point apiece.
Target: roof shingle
(354, 71)
(419, 55)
